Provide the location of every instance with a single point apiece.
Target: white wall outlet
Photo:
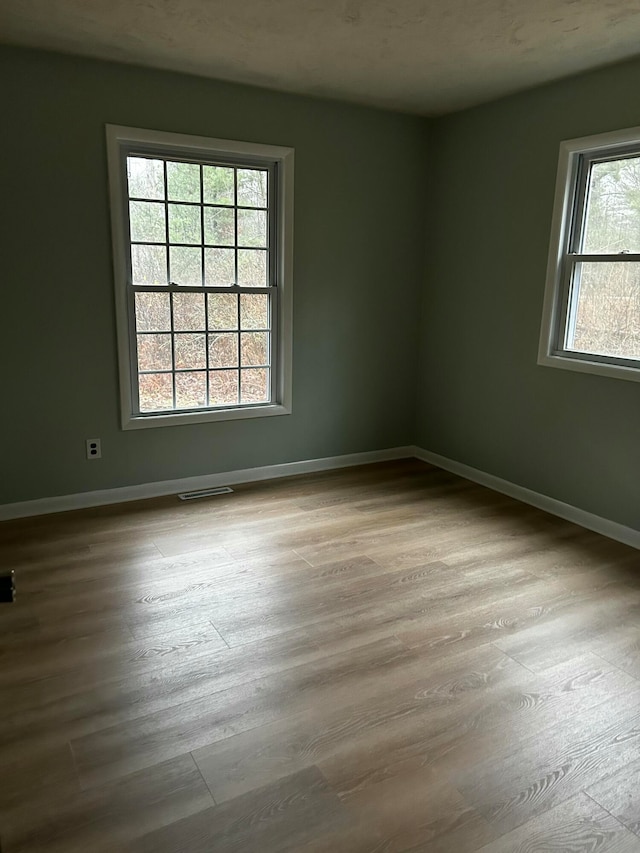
(94, 451)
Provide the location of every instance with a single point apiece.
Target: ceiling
(422, 56)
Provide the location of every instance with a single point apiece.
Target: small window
(202, 250)
(591, 316)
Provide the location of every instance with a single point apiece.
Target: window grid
(235, 226)
(242, 329)
(577, 255)
(171, 316)
(591, 317)
(156, 178)
(207, 385)
(173, 289)
(236, 206)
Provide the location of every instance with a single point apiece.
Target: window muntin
(591, 320)
(605, 319)
(201, 226)
(612, 209)
(204, 289)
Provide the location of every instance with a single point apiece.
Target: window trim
(569, 194)
(119, 138)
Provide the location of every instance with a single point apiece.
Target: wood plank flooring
(384, 659)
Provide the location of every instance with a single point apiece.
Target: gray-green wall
(483, 400)
(359, 235)
(370, 372)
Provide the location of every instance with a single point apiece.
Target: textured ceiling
(422, 56)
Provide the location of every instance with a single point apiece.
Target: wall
(361, 200)
(483, 399)
(359, 226)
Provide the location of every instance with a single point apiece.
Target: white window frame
(568, 216)
(124, 140)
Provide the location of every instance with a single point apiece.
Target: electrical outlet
(94, 451)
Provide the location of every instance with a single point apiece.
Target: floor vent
(205, 493)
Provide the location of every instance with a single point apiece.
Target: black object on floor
(7, 588)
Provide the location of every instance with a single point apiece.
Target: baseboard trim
(626, 535)
(84, 500)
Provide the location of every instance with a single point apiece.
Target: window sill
(185, 418)
(583, 365)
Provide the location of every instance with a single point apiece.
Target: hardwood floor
(375, 660)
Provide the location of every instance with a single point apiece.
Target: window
(202, 234)
(591, 316)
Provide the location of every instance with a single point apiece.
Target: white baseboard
(82, 500)
(626, 535)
